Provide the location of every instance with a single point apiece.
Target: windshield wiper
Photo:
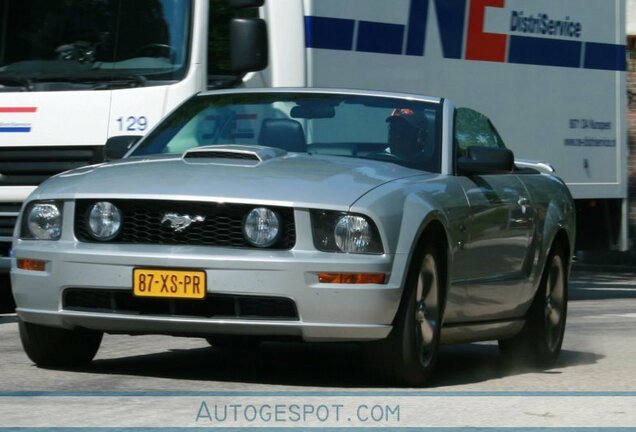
(94, 82)
(24, 83)
(128, 81)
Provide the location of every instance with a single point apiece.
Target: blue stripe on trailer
(387, 38)
(544, 52)
(605, 56)
(329, 33)
(382, 38)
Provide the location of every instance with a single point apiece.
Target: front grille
(30, 166)
(223, 224)
(221, 306)
(8, 216)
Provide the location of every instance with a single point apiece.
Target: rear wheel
(539, 343)
(408, 355)
(51, 346)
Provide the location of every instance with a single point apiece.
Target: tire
(407, 357)
(234, 342)
(51, 346)
(539, 342)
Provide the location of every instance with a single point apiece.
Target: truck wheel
(408, 355)
(50, 346)
(539, 342)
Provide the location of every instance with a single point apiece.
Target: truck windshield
(92, 41)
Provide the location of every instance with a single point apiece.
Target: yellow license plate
(169, 283)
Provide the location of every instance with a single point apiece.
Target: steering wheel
(156, 48)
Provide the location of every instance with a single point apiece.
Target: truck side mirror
(248, 50)
(116, 147)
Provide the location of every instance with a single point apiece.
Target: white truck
(76, 74)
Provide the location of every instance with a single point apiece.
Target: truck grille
(30, 166)
(223, 224)
(213, 306)
(8, 216)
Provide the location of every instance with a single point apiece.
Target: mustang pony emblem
(180, 222)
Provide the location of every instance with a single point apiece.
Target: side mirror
(248, 50)
(486, 160)
(117, 147)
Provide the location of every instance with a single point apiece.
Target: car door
(494, 262)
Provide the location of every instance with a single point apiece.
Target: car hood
(300, 180)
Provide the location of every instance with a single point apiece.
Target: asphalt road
(598, 355)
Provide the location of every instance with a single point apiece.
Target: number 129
(132, 123)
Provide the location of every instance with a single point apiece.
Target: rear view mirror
(248, 49)
(313, 112)
(486, 160)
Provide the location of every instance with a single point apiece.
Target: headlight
(353, 234)
(43, 221)
(104, 220)
(345, 232)
(261, 227)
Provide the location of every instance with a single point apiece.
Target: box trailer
(76, 74)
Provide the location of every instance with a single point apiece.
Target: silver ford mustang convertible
(398, 221)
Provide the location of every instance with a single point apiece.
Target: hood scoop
(228, 153)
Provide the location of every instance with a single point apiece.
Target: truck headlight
(42, 221)
(104, 220)
(261, 227)
(345, 232)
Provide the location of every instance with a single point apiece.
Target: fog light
(262, 227)
(104, 221)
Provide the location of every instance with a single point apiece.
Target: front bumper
(326, 312)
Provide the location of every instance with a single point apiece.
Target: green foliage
(475, 129)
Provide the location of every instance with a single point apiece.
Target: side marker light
(352, 278)
(31, 264)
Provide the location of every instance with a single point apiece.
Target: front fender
(403, 210)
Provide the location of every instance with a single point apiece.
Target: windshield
(86, 40)
(396, 130)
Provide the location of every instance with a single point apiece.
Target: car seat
(286, 134)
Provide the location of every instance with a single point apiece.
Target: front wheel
(407, 357)
(541, 338)
(51, 346)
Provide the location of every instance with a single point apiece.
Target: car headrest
(286, 134)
